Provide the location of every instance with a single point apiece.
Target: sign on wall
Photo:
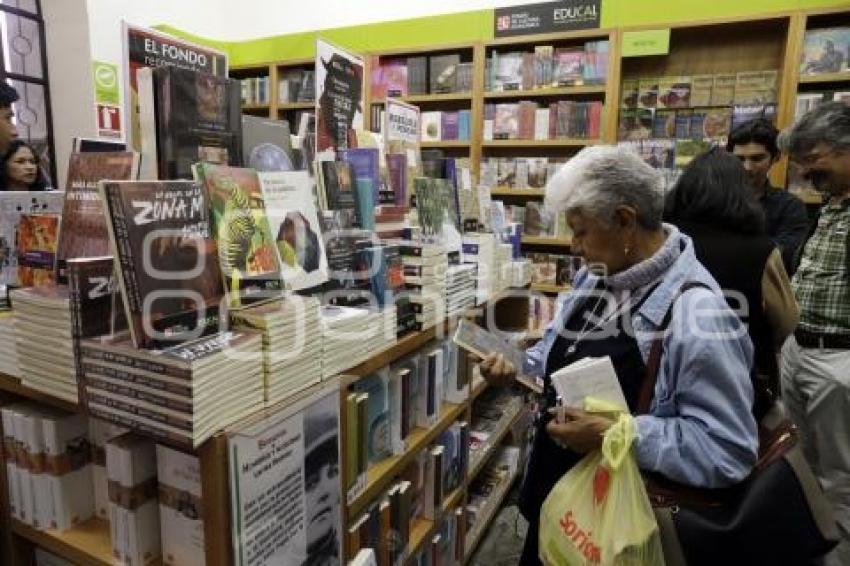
(105, 77)
(145, 47)
(339, 96)
(548, 17)
(108, 121)
(646, 42)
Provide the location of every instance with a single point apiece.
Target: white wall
(69, 66)
(263, 18)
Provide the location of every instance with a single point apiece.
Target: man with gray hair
(816, 359)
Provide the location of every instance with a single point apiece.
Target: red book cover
(84, 231)
(394, 77)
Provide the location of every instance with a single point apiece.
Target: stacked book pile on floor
(43, 335)
(425, 266)
(182, 394)
(292, 344)
(8, 349)
(460, 288)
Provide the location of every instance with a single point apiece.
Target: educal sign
(566, 15)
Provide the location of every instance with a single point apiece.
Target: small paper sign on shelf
(482, 343)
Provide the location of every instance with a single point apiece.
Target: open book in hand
(482, 343)
(588, 377)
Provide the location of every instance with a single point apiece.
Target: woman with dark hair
(20, 170)
(711, 202)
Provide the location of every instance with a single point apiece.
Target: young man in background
(786, 220)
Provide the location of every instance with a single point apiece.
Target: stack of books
(45, 348)
(180, 508)
(480, 249)
(8, 351)
(101, 432)
(297, 85)
(425, 266)
(349, 336)
(133, 505)
(56, 493)
(292, 344)
(183, 394)
(460, 288)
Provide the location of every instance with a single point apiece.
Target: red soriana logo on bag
(601, 482)
(580, 538)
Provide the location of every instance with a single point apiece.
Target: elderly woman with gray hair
(695, 425)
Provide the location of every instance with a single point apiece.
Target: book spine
(130, 392)
(119, 235)
(94, 369)
(133, 363)
(99, 398)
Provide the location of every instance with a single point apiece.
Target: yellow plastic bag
(599, 513)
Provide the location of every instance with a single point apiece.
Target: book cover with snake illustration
(246, 249)
(168, 267)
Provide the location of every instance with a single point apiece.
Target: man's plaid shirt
(822, 282)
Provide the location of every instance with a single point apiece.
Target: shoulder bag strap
(653, 362)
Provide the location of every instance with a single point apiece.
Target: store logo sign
(548, 17)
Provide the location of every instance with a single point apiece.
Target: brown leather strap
(653, 362)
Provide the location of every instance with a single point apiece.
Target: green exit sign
(646, 42)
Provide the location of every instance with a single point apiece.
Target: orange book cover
(37, 237)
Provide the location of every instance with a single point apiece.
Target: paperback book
(294, 224)
(166, 258)
(84, 231)
(238, 220)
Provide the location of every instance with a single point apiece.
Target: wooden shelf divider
(546, 288)
(87, 544)
(825, 78)
(296, 105)
(511, 192)
(547, 92)
(561, 142)
(445, 144)
(546, 241)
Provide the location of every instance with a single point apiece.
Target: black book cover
(198, 119)
(167, 259)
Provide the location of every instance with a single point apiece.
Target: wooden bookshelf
(445, 144)
(284, 106)
(87, 544)
(381, 474)
(545, 288)
(825, 78)
(511, 192)
(454, 499)
(547, 241)
(479, 386)
(431, 98)
(562, 142)
(494, 442)
(13, 386)
(420, 531)
(473, 536)
(560, 92)
(256, 107)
